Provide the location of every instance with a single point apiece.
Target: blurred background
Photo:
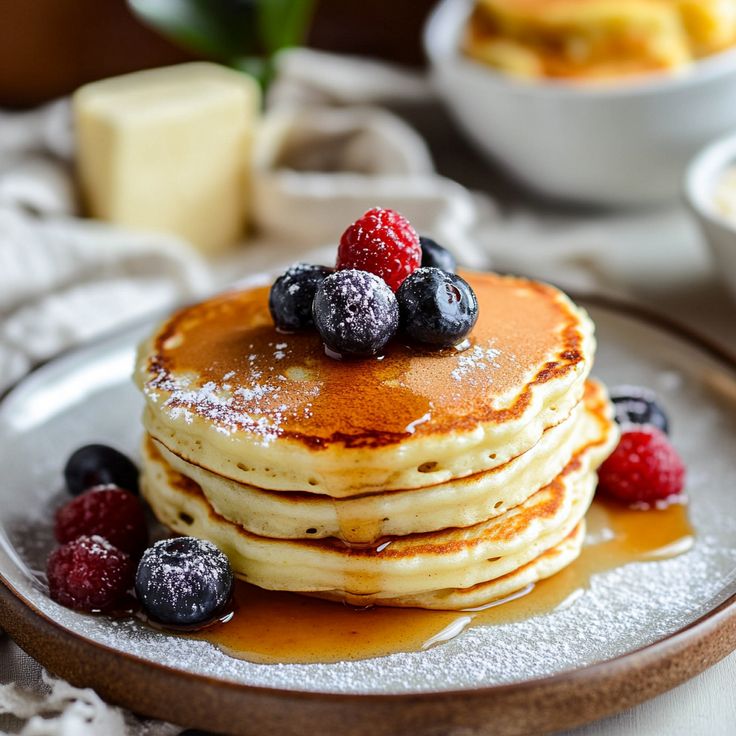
(567, 149)
(48, 48)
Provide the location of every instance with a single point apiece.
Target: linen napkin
(64, 279)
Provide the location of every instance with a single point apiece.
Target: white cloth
(32, 703)
(64, 279)
(325, 153)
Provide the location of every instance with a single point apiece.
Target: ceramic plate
(636, 631)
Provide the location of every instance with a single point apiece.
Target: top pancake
(228, 392)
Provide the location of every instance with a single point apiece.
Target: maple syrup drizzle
(273, 627)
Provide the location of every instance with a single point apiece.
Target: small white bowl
(617, 144)
(701, 183)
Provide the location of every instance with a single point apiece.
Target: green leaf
(242, 33)
(256, 66)
(283, 23)
(219, 29)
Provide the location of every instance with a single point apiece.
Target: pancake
(548, 563)
(397, 567)
(710, 24)
(228, 393)
(590, 38)
(364, 519)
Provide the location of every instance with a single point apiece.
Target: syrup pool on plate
(274, 627)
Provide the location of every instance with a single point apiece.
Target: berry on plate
(435, 256)
(291, 296)
(636, 405)
(89, 574)
(381, 242)
(644, 468)
(183, 581)
(98, 465)
(437, 308)
(106, 511)
(355, 313)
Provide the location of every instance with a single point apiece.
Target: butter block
(168, 150)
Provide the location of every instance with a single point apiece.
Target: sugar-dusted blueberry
(99, 465)
(291, 296)
(437, 308)
(435, 256)
(355, 313)
(89, 574)
(183, 581)
(637, 405)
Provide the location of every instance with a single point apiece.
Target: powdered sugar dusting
(251, 400)
(474, 361)
(623, 610)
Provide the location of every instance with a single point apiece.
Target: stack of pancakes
(438, 480)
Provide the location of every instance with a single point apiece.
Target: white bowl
(701, 181)
(621, 144)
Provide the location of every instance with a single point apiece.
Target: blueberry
(435, 256)
(355, 313)
(183, 581)
(290, 300)
(637, 405)
(437, 308)
(96, 465)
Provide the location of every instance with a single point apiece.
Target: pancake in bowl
(597, 39)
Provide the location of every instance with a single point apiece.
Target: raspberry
(109, 512)
(644, 468)
(89, 574)
(381, 242)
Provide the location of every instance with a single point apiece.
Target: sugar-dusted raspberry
(644, 468)
(89, 574)
(108, 511)
(381, 242)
